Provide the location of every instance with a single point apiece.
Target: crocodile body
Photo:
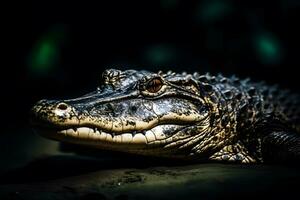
(181, 116)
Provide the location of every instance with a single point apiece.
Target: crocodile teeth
(139, 139)
(63, 132)
(126, 137)
(117, 138)
(98, 135)
(71, 132)
(102, 135)
(150, 136)
(109, 138)
(98, 132)
(83, 132)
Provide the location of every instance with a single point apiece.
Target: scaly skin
(178, 116)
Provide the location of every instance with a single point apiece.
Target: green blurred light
(45, 53)
(160, 54)
(268, 48)
(44, 57)
(211, 11)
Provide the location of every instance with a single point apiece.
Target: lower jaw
(96, 138)
(125, 142)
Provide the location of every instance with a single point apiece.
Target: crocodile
(178, 116)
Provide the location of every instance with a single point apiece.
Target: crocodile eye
(154, 85)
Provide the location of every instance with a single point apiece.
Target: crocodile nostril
(62, 106)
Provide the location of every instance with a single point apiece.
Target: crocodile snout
(51, 112)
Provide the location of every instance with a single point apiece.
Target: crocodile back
(250, 102)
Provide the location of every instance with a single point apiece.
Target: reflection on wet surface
(48, 173)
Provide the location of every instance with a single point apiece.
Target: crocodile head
(131, 111)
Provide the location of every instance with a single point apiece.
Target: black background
(153, 35)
